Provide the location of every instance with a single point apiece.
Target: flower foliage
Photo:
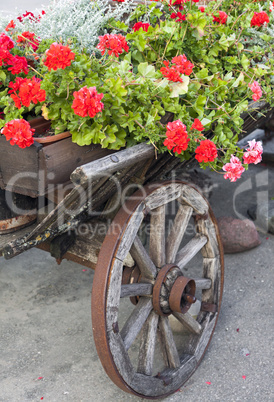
(19, 132)
(119, 88)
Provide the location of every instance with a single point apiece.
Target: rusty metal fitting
(182, 294)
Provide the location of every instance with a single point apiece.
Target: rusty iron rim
(19, 222)
(100, 283)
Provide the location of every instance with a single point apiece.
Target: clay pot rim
(52, 138)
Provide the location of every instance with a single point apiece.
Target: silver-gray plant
(83, 20)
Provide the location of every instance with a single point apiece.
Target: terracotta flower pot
(41, 126)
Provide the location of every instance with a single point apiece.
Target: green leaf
(147, 70)
(179, 88)
(203, 73)
(199, 105)
(239, 80)
(245, 62)
(2, 76)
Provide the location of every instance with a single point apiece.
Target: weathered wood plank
(189, 322)
(142, 259)
(120, 356)
(212, 271)
(130, 232)
(191, 197)
(163, 195)
(60, 245)
(190, 250)
(203, 283)
(207, 228)
(136, 321)
(169, 349)
(136, 289)
(63, 157)
(147, 345)
(19, 168)
(158, 386)
(198, 343)
(177, 232)
(113, 294)
(109, 164)
(157, 236)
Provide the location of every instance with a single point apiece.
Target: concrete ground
(47, 350)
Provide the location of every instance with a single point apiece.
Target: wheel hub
(172, 291)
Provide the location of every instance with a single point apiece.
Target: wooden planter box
(35, 170)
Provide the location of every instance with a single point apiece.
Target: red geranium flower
(27, 38)
(176, 137)
(19, 132)
(29, 91)
(58, 56)
(177, 2)
(5, 42)
(202, 9)
(197, 125)
(171, 73)
(140, 25)
(19, 65)
(259, 19)
(10, 25)
(114, 44)
(183, 65)
(87, 102)
(206, 151)
(5, 57)
(180, 17)
(221, 19)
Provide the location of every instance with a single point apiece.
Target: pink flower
(234, 169)
(253, 154)
(256, 89)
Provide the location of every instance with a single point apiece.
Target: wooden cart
(155, 253)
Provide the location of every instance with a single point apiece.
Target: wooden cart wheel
(134, 307)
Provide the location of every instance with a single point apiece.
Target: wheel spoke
(177, 232)
(189, 322)
(157, 236)
(169, 348)
(147, 346)
(136, 289)
(136, 321)
(203, 283)
(190, 250)
(143, 260)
